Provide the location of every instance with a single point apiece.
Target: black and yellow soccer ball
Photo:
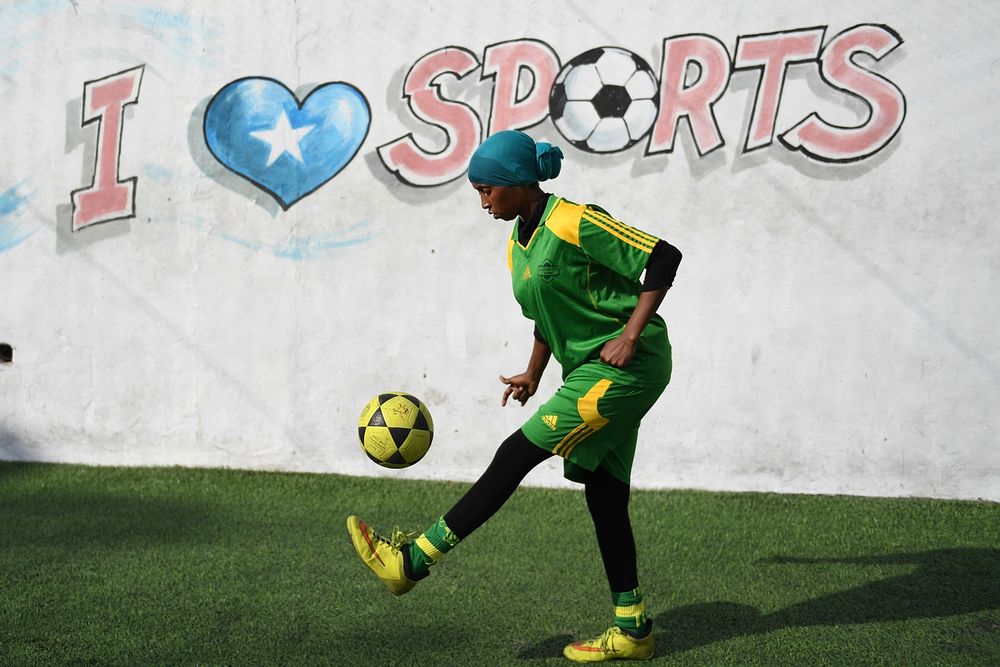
(395, 429)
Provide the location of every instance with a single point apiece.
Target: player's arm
(660, 272)
(524, 385)
(619, 351)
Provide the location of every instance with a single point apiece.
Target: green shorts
(593, 420)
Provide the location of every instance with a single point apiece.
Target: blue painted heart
(257, 128)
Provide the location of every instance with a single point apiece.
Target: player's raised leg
(400, 563)
(385, 557)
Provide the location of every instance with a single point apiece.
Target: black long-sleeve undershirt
(661, 267)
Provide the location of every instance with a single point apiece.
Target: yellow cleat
(383, 557)
(614, 644)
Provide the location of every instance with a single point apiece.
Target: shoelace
(398, 540)
(605, 640)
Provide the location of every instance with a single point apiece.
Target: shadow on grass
(427, 641)
(59, 518)
(547, 648)
(946, 582)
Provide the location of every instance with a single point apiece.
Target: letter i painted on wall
(104, 102)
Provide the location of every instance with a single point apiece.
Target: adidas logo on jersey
(527, 273)
(550, 421)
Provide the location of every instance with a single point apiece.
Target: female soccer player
(576, 273)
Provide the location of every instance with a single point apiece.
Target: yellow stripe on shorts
(571, 440)
(593, 421)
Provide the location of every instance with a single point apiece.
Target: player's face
(500, 201)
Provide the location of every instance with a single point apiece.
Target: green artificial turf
(215, 567)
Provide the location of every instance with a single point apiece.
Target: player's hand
(618, 352)
(520, 387)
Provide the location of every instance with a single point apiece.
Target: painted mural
(220, 223)
(258, 129)
(107, 197)
(605, 100)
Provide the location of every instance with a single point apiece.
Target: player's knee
(604, 492)
(518, 451)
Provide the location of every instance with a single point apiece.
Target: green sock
(630, 612)
(428, 549)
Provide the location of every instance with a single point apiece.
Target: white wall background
(834, 326)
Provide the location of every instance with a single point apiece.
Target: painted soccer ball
(395, 429)
(604, 100)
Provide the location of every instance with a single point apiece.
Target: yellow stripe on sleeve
(621, 231)
(564, 222)
(638, 233)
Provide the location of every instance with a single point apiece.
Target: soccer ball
(395, 429)
(604, 100)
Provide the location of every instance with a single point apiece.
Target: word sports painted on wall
(606, 99)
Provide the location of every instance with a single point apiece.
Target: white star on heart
(283, 139)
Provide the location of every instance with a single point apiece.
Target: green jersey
(578, 280)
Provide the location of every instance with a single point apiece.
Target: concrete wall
(177, 290)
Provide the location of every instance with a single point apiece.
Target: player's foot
(384, 557)
(614, 644)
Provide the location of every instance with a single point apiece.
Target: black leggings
(607, 500)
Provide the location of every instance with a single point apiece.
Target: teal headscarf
(511, 158)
